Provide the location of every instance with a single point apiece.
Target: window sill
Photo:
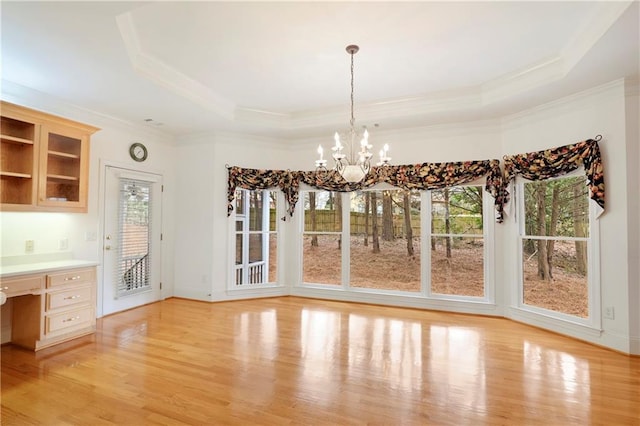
(552, 323)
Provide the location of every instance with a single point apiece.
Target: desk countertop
(7, 271)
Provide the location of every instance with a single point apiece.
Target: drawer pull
(71, 319)
(5, 288)
(77, 296)
(77, 277)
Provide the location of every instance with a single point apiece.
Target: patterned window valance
(533, 166)
(557, 162)
(409, 177)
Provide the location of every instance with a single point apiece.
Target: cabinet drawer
(71, 319)
(74, 296)
(77, 276)
(22, 285)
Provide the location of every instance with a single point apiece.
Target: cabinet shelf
(63, 178)
(63, 154)
(15, 175)
(13, 139)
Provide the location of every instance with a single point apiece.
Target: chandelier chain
(353, 120)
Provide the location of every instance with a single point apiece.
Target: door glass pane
(255, 210)
(239, 248)
(133, 266)
(255, 247)
(273, 257)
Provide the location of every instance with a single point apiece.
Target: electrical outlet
(63, 244)
(609, 312)
(29, 246)
(90, 236)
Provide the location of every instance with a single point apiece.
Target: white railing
(255, 274)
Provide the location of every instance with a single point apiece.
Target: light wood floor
(301, 361)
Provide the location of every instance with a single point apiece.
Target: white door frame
(103, 165)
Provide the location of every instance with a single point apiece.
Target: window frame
(594, 320)
(342, 233)
(488, 236)
(266, 233)
(488, 239)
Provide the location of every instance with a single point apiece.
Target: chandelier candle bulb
(321, 163)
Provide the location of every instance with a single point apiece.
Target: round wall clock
(138, 151)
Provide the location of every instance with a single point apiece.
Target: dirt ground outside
(461, 274)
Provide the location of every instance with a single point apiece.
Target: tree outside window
(554, 244)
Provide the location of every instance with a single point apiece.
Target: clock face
(138, 151)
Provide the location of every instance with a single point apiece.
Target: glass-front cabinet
(45, 161)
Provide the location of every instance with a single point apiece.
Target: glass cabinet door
(63, 169)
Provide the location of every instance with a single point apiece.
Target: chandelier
(355, 165)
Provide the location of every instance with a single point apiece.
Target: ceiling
(280, 69)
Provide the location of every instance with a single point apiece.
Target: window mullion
(425, 240)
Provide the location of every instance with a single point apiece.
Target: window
(385, 240)
(255, 238)
(457, 241)
(322, 238)
(556, 238)
(133, 265)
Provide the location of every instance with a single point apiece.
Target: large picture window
(384, 230)
(457, 241)
(556, 237)
(382, 240)
(255, 238)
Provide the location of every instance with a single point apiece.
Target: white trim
(594, 320)
(405, 300)
(102, 166)
(266, 234)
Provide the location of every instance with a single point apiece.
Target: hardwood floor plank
(302, 361)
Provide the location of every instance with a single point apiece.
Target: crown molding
(557, 106)
(31, 98)
(164, 75)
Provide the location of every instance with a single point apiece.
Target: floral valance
(252, 179)
(537, 165)
(409, 177)
(550, 163)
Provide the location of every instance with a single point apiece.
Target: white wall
(574, 119)
(202, 227)
(632, 89)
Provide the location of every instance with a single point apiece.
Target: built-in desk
(52, 301)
